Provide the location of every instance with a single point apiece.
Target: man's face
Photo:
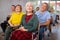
(13, 8)
(43, 7)
(52, 10)
(37, 8)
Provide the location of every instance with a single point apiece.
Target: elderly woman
(14, 21)
(28, 25)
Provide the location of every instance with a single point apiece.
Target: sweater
(32, 24)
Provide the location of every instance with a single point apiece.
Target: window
(58, 6)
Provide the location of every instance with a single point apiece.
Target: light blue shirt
(53, 16)
(43, 17)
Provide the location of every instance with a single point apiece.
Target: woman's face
(29, 7)
(17, 9)
(43, 7)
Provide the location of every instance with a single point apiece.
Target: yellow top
(16, 18)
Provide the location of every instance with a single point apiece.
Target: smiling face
(43, 7)
(18, 8)
(29, 7)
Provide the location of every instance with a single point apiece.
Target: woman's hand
(11, 25)
(16, 24)
(22, 29)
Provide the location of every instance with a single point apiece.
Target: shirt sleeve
(36, 13)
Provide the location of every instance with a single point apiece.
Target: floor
(54, 36)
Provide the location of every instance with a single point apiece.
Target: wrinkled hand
(22, 29)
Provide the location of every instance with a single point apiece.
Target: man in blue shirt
(53, 15)
(44, 18)
(53, 18)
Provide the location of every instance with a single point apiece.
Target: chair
(35, 35)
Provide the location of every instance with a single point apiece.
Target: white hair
(29, 3)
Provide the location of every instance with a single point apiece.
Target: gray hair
(29, 3)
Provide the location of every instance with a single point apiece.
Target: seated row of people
(30, 21)
(21, 25)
